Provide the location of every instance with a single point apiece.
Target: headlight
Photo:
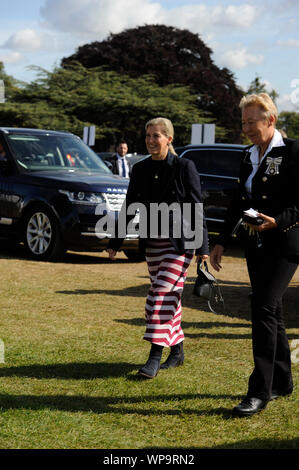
(82, 197)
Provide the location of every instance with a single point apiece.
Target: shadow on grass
(185, 324)
(135, 291)
(145, 405)
(16, 251)
(94, 258)
(235, 295)
(237, 302)
(72, 370)
(11, 250)
(264, 449)
(199, 325)
(205, 326)
(262, 444)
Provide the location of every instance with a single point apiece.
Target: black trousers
(270, 273)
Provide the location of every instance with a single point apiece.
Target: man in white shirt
(120, 164)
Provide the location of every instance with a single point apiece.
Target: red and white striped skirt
(163, 309)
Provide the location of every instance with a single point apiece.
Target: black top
(173, 180)
(157, 175)
(274, 193)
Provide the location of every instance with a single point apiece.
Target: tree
(289, 122)
(73, 97)
(258, 86)
(11, 85)
(171, 56)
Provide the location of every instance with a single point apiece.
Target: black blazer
(182, 185)
(275, 192)
(114, 167)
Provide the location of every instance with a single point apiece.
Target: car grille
(114, 201)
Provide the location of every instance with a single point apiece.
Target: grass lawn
(72, 333)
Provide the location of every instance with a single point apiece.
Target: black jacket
(274, 193)
(181, 185)
(114, 167)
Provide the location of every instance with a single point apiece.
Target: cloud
(24, 40)
(11, 58)
(288, 43)
(286, 102)
(30, 41)
(240, 58)
(98, 18)
(206, 19)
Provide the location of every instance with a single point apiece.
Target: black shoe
(275, 394)
(151, 368)
(175, 358)
(250, 406)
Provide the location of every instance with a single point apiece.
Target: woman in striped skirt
(165, 179)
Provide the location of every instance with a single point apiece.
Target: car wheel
(42, 237)
(134, 255)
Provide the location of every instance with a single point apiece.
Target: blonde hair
(262, 100)
(166, 129)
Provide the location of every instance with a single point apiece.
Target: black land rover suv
(218, 166)
(50, 186)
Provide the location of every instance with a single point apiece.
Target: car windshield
(54, 152)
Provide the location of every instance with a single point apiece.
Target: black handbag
(207, 287)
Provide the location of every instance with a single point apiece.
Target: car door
(220, 180)
(218, 169)
(8, 199)
(4, 186)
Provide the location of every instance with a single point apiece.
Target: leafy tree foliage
(289, 122)
(11, 85)
(258, 86)
(172, 56)
(73, 97)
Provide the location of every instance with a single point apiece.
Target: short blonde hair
(262, 100)
(166, 128)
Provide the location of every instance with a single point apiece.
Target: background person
(2, 152)
(268, 182)
(120, 163)
(164, 178)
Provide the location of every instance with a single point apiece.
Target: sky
(251, 38)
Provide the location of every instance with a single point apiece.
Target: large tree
(11, 85)
(172, 56)
(258, 86)
(119, 106)
(288, 121)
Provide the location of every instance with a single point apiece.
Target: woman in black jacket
(268, 183)
(169, 242)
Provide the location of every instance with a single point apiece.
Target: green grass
(73, 343)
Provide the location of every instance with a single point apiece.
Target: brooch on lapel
(273, 165)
